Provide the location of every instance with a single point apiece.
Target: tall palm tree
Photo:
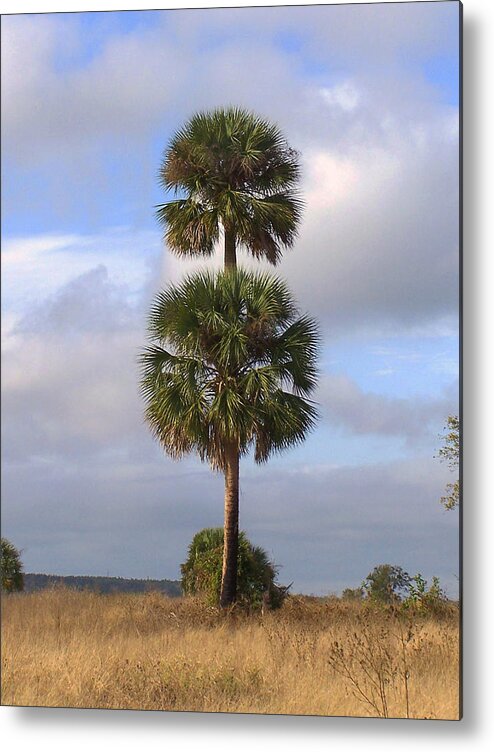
(235, 171)
(230, 366)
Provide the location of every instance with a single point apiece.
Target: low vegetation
(256, 574)
(11, 571)
(313, 656)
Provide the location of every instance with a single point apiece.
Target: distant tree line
(34, 582)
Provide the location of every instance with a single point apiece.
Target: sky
(368, 95)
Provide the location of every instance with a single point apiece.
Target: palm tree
(235, 171)
(230, 365)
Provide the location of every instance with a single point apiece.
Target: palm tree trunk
(230, 251)
(228, 593)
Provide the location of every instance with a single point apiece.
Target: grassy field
(312, 657)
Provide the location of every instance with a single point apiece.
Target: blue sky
(369, 96)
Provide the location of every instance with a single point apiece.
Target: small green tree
(421, 597)
(450, 453)
(386, 584)
(201, 573)
(12, 574)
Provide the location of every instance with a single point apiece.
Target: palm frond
(191, 228)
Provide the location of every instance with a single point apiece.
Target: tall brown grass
(312, 657)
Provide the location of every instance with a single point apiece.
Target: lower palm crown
(231, 363)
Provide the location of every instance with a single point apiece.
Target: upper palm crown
(237, 172)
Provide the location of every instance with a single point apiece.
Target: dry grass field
(312, 657)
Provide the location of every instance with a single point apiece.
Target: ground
(312, 657)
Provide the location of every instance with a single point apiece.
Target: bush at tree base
(201, 573)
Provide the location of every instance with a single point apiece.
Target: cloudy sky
(369, 96)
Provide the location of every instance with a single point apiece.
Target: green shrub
(420, 597)
(353, 594)
(11, 567)
(201, 573)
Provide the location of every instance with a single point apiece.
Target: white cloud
(378, 246)
(331, 179)
(380, 150)
(344, 95)
(35, 267)
(22, 254)
(121, 92)
(70, 372)
(414, 419)
(194, 59)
